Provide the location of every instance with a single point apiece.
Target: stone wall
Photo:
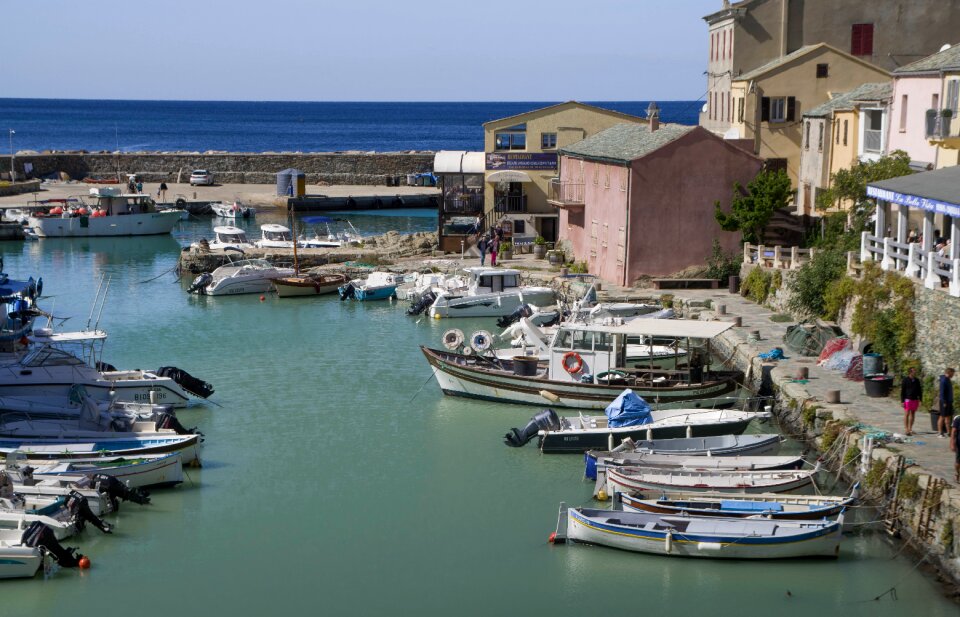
(232, 168)
(18, 188)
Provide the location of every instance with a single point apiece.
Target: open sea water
(236, 126)
(338, 480)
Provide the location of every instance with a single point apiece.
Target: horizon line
(420, 102)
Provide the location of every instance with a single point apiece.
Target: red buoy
(84, 562)
(263, 298)
(552, 538)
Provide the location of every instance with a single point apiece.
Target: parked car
(201, 176)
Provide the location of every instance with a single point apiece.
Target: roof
(670, 328)
(228, 229)
(946, 60)
(275, 227)
(626, 142)
(459, 162)
(735, 9)
(568, 104)
(782, 61)
(934, 191)
(844, 102)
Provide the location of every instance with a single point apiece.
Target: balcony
(464, 203)
(943, 131)
(505, 204)
(565, 194)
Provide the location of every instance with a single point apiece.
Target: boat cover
(628, 409)
(754, 506)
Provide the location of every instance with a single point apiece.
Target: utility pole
(13, 174)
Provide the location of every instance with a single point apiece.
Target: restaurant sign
(914, 201)
(519, 160)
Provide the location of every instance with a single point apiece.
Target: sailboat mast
(293, 227)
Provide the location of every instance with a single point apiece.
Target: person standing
(946, 403)
(162, 192)
(911, 393)
(955, 446)
(139, 187)
(494, 247)
(482, 247)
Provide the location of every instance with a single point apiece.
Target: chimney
(653, 116)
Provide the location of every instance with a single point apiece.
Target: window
(776, 164)
(822, 71)
(720, 117)
(713, 46)
(820, 137)
(740, 110)
(861, 40)
(723, 48)
(519, 226)
(513, 138)
(510, 280)
(935, 101)
(778, 109)
(729, 107)
(846, 125)
(903, 114)
(806, 136)
(836, 131)
(548, 141)
(953, 93)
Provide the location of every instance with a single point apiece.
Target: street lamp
(13, 174)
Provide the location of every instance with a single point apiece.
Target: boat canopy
(229, 230)
(273, 227)
(667, 328)
(628, 409)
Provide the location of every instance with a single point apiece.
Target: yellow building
(521, 161)
(770, 101)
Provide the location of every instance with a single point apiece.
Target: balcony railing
(561, 193)
(504, 204)
(466, 203)
(872, 141)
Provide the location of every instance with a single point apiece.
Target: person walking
(482, 247)
(911, 393)
(946, 403)
(494, 247)
(162, 192)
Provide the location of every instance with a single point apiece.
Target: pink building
(913, 95)
(639, 200)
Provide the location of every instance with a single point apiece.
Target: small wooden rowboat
(105, 445)
(309, 284)
(700, 536)
(635, 480)
(720, 504)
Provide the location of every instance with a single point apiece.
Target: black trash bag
(39, 535)
(425, 302)
(188, 382)
(546, 420)
(80, 508)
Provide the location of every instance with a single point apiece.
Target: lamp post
(13, 174)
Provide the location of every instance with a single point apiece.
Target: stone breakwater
(233, 168)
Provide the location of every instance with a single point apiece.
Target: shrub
(810, 281)
(722, 265)
(909, 486)
(756, 286)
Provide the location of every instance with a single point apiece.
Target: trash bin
(878, 386)
(411, 179)
(734, 285)
(525, 366)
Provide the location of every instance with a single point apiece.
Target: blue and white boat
(701, 536)
(377, 286)
(105, 445)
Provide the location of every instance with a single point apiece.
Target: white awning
(459, 162)
(508, 176)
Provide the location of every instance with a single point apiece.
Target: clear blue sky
(355, 50)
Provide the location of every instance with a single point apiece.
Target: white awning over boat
(671, 328)
(508, 175)
(459, 162)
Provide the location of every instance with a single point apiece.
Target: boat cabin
(233, 236)
(114, 203)
(600, 348)
(276, 233)
(491, 280)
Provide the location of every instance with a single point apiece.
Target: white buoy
(689, 431)
(668, 541)
(609, 441)
(153, 397)
(649, 434)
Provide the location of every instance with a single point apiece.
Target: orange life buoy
(577, 362)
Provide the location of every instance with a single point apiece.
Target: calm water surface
(331, 486)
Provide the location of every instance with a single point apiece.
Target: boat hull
(145, 224)
(291, 287)
(103, 445)
(166, 470)
(733, 482)
(459, 376)
(121, 386)
(578, 442)
(659, 506)
(822, 540)
(490, 305)
(19, 561)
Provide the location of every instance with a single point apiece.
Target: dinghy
(700, 536)
(723, 504)
(136, 472)
(24, 552)
(105, 445)
(643, 479)
(309, 284)
(703, 463)
(377, 286)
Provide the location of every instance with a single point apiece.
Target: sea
(247, 126)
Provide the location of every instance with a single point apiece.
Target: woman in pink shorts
(911, 392)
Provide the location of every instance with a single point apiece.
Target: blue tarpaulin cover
(753, 506)
(628, 409)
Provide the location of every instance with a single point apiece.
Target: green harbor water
(332, 484)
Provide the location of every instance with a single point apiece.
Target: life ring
(577, 365)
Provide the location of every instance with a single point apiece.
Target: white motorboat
(377, 286)
(136, 472)
(233, 210)
(247, 276)
(489, 292)
(63, 524)
(330, 239)
(227, 237)
(634, 480)
(274, 236)
(115, 214)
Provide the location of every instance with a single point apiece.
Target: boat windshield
(51, 356)
(226, 238)
(277, 235)
(583, 340)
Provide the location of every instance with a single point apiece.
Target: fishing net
(855, 370)
(809, 339)
(833, 346)
(841, 360)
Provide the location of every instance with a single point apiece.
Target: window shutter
(866, 42)
(791, 108)
(765, 109)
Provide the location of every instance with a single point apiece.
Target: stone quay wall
(231, 168)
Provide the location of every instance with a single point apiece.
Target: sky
(355, 50)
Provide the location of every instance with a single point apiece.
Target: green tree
(752, 208)
(850, 185)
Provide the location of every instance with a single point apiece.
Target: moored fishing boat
(135, 472)
(644, 479)
(377, 286)
(578, 354)
(105, 445)
(309, 284)
(24, 552)
(705, 463)
(773, 505)
(116, 214)
(233, 210)
(697, 536)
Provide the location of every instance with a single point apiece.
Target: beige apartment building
(748, 34)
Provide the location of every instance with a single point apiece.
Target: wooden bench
(686, 283)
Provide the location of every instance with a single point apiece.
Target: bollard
(803, 372)
(833, 396)
(721, 309)
(733, 285)
(754, 336)
(738, 322)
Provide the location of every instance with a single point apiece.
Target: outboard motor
(39, 535)
(199, 284)
(347, 291)
(105, 367)
(167, 420)
(523, 310)
(556, 319)
(425, 302)
(543, 421)
(116, 490)
(191, 384)
(80, 508)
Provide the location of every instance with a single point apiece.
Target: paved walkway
(883, 414)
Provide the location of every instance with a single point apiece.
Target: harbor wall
(18, 188)
(230, 168)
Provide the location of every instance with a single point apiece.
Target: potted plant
(555, 257)
(506, 249)
(539, 247)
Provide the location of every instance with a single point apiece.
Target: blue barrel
(872, 364)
